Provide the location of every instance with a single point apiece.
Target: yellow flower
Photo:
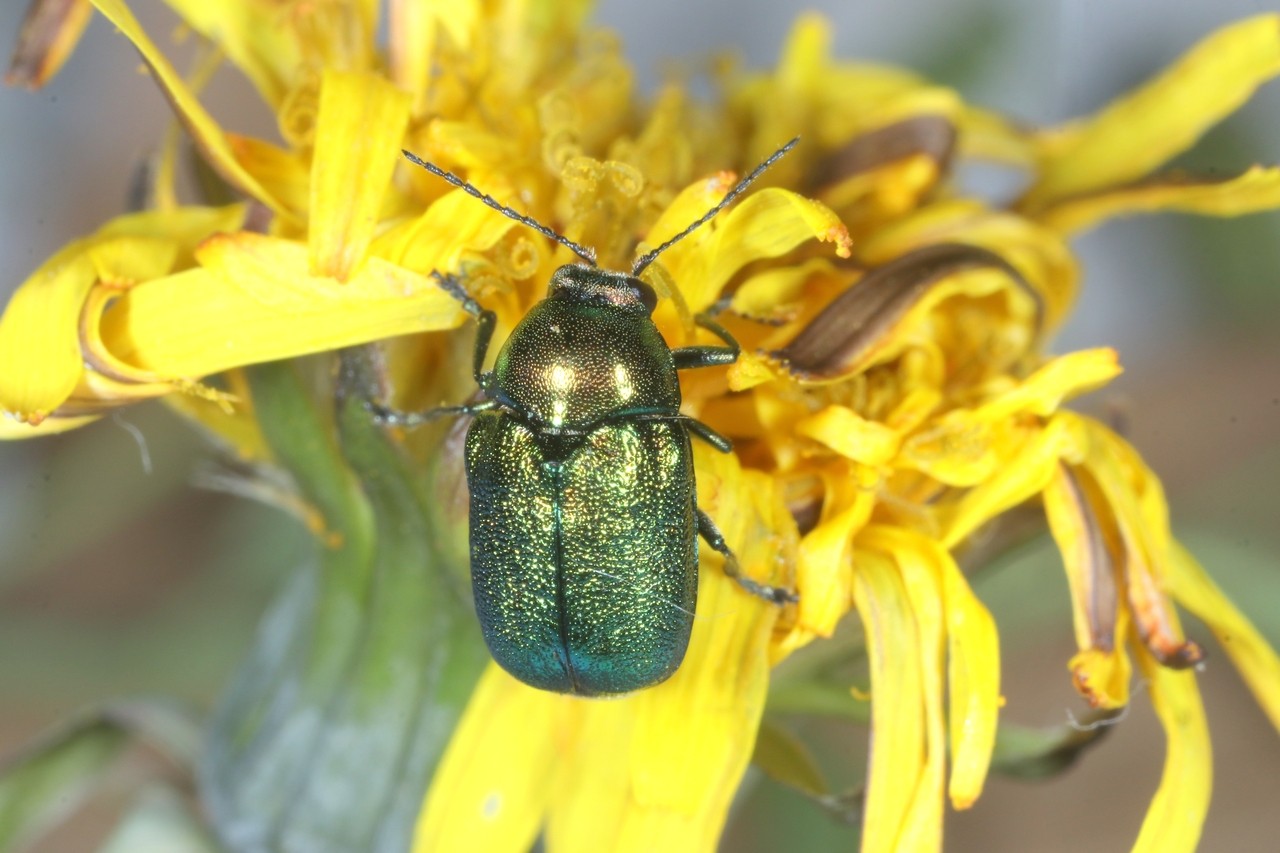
(894, 398)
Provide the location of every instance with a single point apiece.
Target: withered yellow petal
(1099, 672)
(253, 300)
(359, 128)
(898, 724)
(1252, 655)
(490, 790)
(48, 35)
(1136, 134)
(11, 429)
(203, 129)
(1101, 676)
(1177, 812)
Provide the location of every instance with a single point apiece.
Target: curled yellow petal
(490, 790)
(1021, 475)
(1177, 812)
(203, 129)
(1139, 132)
(824, 568)
(1252, 655)
(253, 300)
(39, 340)
(767, 224)
(851, 435)
(358, 131)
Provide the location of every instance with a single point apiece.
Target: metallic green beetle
(584, 516)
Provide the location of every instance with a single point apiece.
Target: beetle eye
(645, 294)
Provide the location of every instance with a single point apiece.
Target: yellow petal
(259, 38)
(436, 240)
(1060, 379)
(898, 724)
(283, 173)
(1023, 474)
(490, 790)
(254, 301)
(766, 224)
(973, 652)
(13, 429)
(1252, 655)
(1256, 190)
(824, 569)
(851, 435)
(1139, 132)
(358, 135)
(1176, 815)
(50, 32)
(201, 126)
(413, 30)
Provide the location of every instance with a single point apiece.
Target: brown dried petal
(932, 136)
(836, 341)
(49, 32)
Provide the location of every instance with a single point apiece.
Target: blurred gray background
(119, 579)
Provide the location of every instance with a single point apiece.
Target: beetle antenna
(649, 257)
(588, 255)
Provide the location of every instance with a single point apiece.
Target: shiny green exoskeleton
(584, 516)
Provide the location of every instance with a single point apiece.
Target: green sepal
(57, 772)
(1030, 753)
(330, 732)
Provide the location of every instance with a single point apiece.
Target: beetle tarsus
(713, 537)
(393, 417)
(708, 356)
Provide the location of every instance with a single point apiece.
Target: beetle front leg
(711, 534)
(485, 321)
(704, 356)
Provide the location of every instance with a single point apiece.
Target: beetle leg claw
(774, 594)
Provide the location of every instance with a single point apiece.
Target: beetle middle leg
(708, 356)
(485, 322)
(712, 536)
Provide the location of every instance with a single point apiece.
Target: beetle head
(595, 286)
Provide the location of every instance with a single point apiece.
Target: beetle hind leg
(393, 417)
(712, 536)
